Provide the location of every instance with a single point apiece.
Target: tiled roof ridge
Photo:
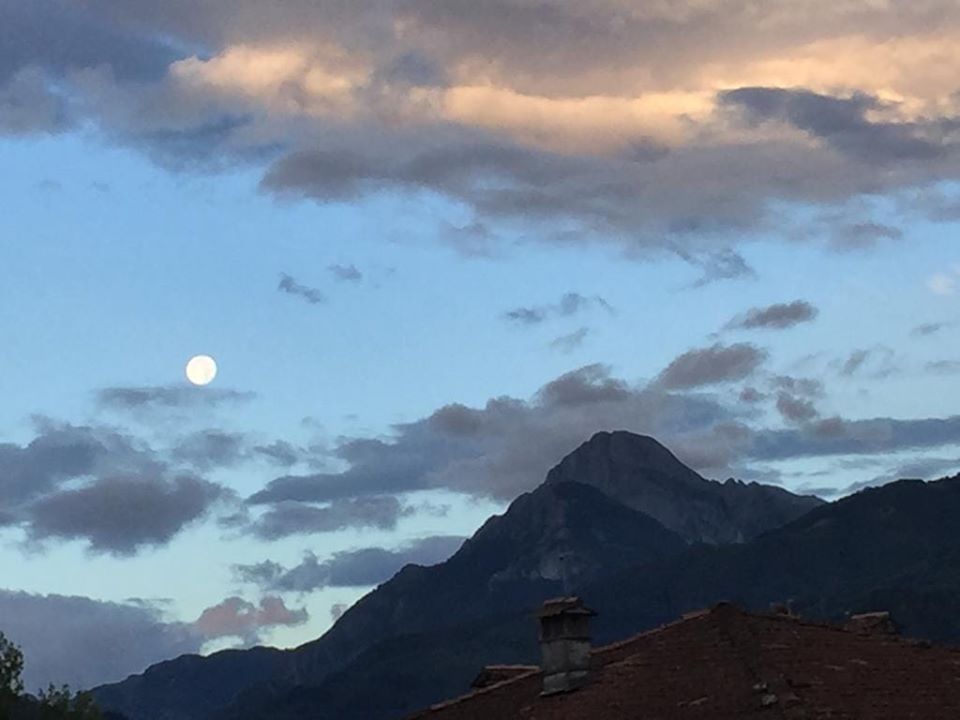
(712, 611)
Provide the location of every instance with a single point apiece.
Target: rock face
(619, 501)
(639, 472)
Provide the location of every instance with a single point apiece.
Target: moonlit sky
(433, 246)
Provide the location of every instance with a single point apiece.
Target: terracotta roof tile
(726, 664)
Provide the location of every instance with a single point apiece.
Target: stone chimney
(564, 644)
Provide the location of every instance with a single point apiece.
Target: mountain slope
(890, 548)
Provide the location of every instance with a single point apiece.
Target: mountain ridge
(569, 531)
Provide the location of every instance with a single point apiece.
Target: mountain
(893, 548)
(618, 501)
(642, 474)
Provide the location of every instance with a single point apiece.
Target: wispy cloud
(346, 273)
(946, 282)
(570, 304)
(571, 341)
(309, 294)
(775, 317)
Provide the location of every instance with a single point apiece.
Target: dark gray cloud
(571, 341)
(346, 273)
(351, 568)
(570, 304)
(59, 37)
(837, 436)
(287, 518)
(101, 486)
(796, 409)
(712, 365)
(843, 123)
(29, 105)
(62, 452)
(85, 642)
(775, 317)
(165, 397)
(208, 449)
(178, 80)
(309, 294)
(121, 515)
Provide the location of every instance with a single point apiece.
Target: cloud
(945, 283)
(287, 518)
(153, 398)
(864, 235)
(85, 642)
(208, 449)
(927, 329)
(28, 105)
(280, 452)
(794, 409)
(365, 567)
(837, 436)
(723, 264)
(876, 362)
(236, 617)
(571, 341)
(775, 317)
(712, 365)
(62, 452)
(568, 122)
(570, 304)
(944, 367)
(290, 286)
(102, 486)
(843, 123)
(346, 273)
(121, 515)
(505, 447)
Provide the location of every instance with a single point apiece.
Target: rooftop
(727, 664)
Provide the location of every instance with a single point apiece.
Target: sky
(433, 245)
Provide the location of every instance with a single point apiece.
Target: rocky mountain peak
(641, 473)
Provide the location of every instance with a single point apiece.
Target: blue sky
(428, 267)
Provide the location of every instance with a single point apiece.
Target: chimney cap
(564, 606)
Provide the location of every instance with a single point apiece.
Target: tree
(58, 703)
(11, 666)
(54, 703)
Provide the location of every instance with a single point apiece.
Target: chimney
(564, 644)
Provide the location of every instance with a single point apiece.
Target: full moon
(201, 369)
